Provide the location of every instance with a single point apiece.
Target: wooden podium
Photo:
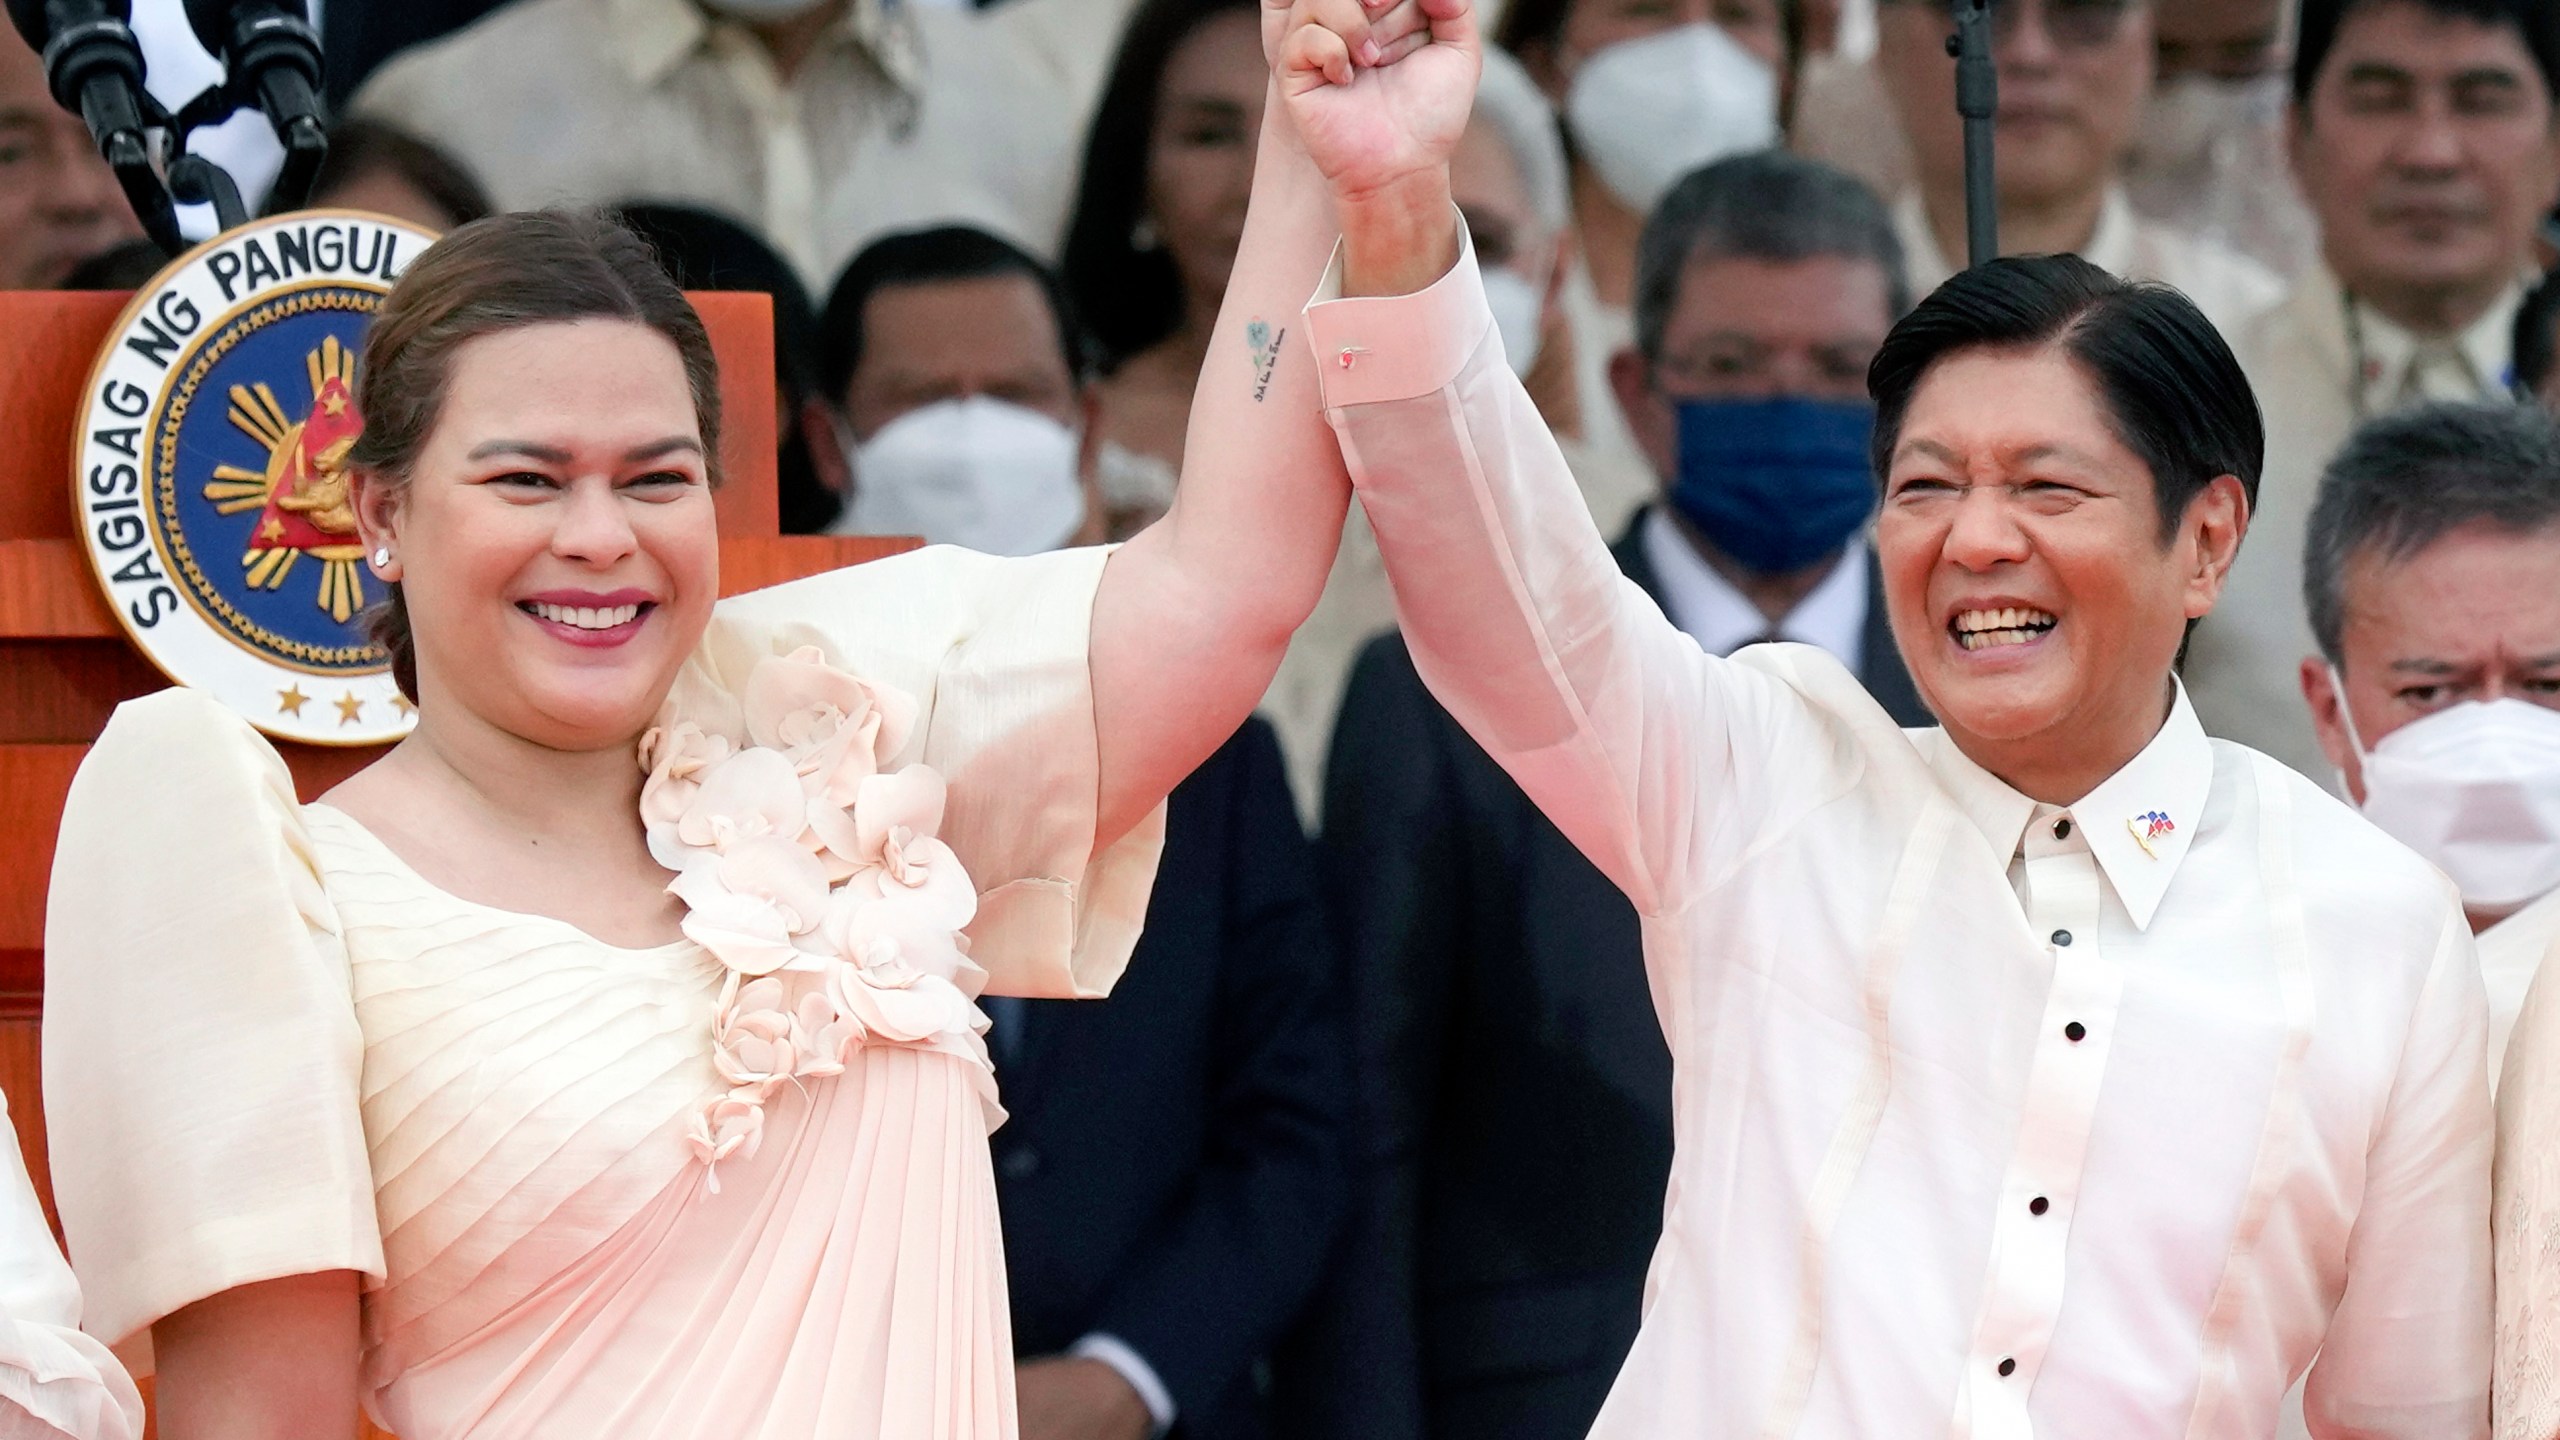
(65, 663)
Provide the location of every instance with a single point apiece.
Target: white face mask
(2187, 117)
(1646, 112)
(1519, 315)
(2474, 788)
(994, 477)
(764, 12)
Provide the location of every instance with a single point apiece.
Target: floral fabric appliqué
(817, 879)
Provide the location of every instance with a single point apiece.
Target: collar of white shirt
(2486, 345)
(1709, 610)
(655, 36)
(2115, 246)
(2138, 822)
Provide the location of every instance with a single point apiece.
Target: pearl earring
(382, 558)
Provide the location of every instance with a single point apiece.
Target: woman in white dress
(438, 1097)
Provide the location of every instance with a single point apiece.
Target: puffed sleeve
(996, 654)
(201, 1056)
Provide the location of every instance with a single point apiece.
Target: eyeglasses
(2071, 24)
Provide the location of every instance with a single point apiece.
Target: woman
(439, 1097)
(1151, 244)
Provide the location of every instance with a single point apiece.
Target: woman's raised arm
(1193, 615)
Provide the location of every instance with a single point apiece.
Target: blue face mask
(1776, 484)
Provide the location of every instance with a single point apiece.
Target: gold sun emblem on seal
(304, 503)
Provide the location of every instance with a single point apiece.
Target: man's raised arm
(1516, 615)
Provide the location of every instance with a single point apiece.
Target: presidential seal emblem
(210, 473)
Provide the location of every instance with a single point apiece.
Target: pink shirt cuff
(1374, 349)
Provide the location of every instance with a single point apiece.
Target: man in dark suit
(1173, 1177)
(1174, 1174)
(1516, 1083)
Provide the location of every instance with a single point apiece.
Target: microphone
(93, 64)
(273, 57)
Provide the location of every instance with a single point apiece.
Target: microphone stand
(1978, 101)
(95, 70)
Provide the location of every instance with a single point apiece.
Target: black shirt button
(2075, 1032)
(2062, 828)
(2008, 1368)
(2061, 937)
(2039, 1205)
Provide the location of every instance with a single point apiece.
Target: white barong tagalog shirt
(1993, 1119)
(903, 116)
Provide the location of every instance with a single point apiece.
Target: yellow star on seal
(348, 708)
(290, 702)
(333, 404)
(401, 704)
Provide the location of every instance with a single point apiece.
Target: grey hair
(1771, 206)
(1511, 102)
(2405, 481)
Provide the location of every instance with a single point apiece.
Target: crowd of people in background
(1373, 1140)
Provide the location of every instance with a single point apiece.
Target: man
(1519, 1089)
(965, 388)
(2053, 1069)
(2433, 581)
(2073, 78)
(2209, 155)
(59, 203)
(2425, 135)
(821, 123)
(1172, 1175)
(1509, 176)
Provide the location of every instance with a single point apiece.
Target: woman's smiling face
(554, 540)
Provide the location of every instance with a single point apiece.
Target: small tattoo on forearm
(1265, 345)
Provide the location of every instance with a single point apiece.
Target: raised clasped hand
(1378, 90)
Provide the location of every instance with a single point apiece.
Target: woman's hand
(1379, 96)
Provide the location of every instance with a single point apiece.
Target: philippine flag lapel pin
(2149, 827)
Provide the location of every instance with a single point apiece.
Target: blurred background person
(2209, 155)
(957, 365)
(2435, 586)
(2074, 75)
(1513, 183)
(373, 166)
(1173, 1175)
(357, 37)
(1159, 208)
(1648, 91)
(2433, 582)
(707, 251)
(1518, 1087)
(129, 266)
(2538, 343)
(820, 123)
(59, 203)
(2426, 138)
(1509, 179)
